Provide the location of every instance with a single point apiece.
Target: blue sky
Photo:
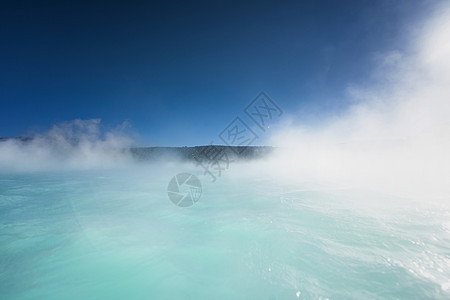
(179, 72)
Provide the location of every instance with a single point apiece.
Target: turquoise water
(114, 234)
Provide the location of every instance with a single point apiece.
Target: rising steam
(79, 144)
(396, 138)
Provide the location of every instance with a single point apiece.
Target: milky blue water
(114, 234)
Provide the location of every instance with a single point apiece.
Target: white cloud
(79, 144)
(396, 139)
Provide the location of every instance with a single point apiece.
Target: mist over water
(355, 208)
(115, 234)
(396, 137)
(78, 144)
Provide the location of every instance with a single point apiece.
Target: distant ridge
(210, 152)
(17, 138)
(196, 153)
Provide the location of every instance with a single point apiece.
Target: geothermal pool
(114, 234)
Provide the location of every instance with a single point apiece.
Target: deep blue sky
(180, 71)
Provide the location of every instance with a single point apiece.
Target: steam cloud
(79, 144)
(396, 138)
